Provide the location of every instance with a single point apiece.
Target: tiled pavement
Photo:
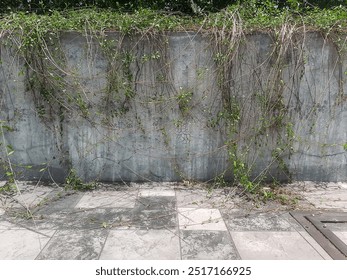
(152, 221)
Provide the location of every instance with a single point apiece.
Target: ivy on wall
(59, 90)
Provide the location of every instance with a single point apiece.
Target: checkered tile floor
(153, 221)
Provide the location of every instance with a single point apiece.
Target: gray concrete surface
(158, 221)
(154, 140)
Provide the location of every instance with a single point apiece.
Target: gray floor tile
(74, 245)
(201, 198)
(97, 218)
(154, 219)
(29, 196)
(200, 219)
(22, 244)
(6, 225)
(141, 245)
(334, 199)
(77, 219)
(108, 199)
(156, 191)
(57, 201)
(155, 203)
(155, 188)
(253, 245)
(207, 245)
(332, 196)
(260, 222)
(336, 226)
(154, 213)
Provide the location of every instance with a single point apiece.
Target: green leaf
(8, 128)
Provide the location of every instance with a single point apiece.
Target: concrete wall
(150, 135)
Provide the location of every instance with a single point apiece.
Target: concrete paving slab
(22, 244)
(153, 216)
(96, 218)
(259, 222)
(37, 222)
(156, 191)
(28, 197)
(200, 219)
(155, 212)
(74, 245)
(154, 219)
(330, 199)
(257, 245)
(336, 226)
(155, 203)
(207, 245)
(141, 245)
(57, 201)
(108, 199)
(201, 198)
(331, 196)
(154, 185)
(309, 186)
(77, 219)
(5, 225)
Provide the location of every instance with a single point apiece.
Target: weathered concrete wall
(132, 126)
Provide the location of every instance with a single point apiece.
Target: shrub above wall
(190, 7)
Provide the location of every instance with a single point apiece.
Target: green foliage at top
(249, 16)
(90, 19)
(182, 6)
